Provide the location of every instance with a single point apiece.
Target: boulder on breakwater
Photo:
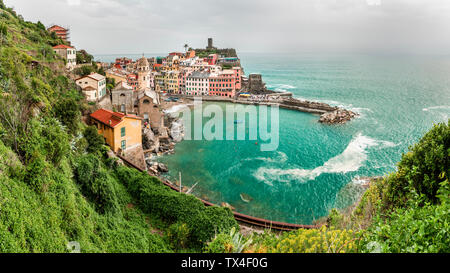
(339, 116)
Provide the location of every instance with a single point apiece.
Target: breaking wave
(436, 108)
(350, 160)
(281, 87)
(280, 158)
(176, 108)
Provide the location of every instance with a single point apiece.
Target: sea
(318, 167)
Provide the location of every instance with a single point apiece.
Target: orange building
(60, 32)
(121, 132)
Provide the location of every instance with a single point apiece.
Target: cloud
(136, 26)
(73, 2)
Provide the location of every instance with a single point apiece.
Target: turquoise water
(316, 167)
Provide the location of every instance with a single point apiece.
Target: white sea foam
(440, 107)
(388, 144)
(350, 160)
(280, 158)
(176, 108)
(281, 87)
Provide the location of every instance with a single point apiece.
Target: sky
(157, 26)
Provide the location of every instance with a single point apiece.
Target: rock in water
(163, 168)
(177, 131)
(337, 117)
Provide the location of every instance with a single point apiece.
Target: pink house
(211, 59)
(223, 84)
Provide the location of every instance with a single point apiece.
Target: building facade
(93, 86)
(197, 83)
(143, 70)
(122, 98)
(121, 132)
(68, 53)
(61, 32)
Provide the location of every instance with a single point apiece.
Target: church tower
(143, 68)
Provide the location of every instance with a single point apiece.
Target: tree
(40, 25)
(68, 112)
(94, 140)
(83, 57)
(186, 46)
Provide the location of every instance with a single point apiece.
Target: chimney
(110, 122)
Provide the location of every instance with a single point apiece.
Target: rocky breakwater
(339, 116)
(329, 114)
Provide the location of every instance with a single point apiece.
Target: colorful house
(121, 132)
(223, 84)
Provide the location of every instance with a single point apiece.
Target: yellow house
(172, 85)
(121, 132)
(117, 76)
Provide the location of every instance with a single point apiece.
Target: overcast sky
(156, 26)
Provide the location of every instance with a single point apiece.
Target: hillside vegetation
(57, 184)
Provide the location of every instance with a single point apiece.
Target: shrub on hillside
(178, 235)
(68, 112)
(414, 230)
(422, 170)
(94, 140)
(173, 207)
(96, 184)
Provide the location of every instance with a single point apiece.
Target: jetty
(328, 114)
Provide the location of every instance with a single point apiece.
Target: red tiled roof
(157, 65)
(62, 47)
(110, 118)
(56, 27)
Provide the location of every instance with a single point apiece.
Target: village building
(225, 83)
(212, 59)
(143, 70)
(61, 32)
(123, 62)
(132, 80)
(123, 98)
(68, 53)
(172, 82)
(119, 75)
(93, 86)
(147, 107)
(197, 83)
(121, 131)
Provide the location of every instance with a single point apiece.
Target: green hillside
(58, 186)
(56, 183)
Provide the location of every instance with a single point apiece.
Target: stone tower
(143, 68)
(210, 43)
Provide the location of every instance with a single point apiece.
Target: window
(123, 145)
(122, 132)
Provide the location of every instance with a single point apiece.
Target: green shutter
(122, 132)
